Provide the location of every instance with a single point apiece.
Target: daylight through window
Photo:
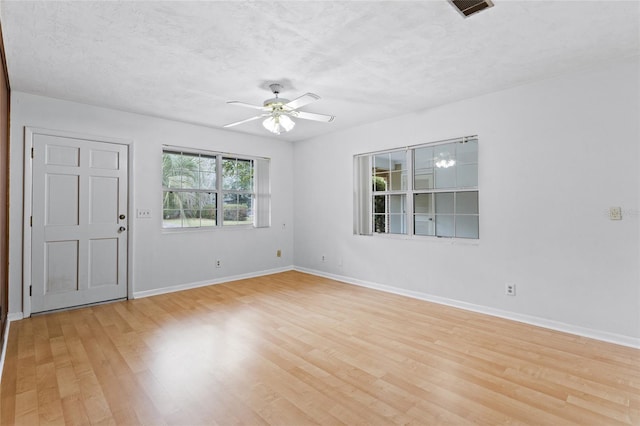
(424, 190)
(204, 189)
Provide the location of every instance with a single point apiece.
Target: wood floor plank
(295, 349)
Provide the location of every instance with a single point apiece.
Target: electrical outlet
(324, 258)
(218, 263)
(510, 289)
(143, 213)
(279, 253)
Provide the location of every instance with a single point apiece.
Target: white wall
(161, 259)
(554, 156)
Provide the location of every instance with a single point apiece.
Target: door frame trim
(29, 133)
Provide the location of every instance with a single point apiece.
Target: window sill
(427, 239)
(229, 228)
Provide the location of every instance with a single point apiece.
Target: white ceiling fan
(277, 112)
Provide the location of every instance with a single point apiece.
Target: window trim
(361, 193)
(223, 192)
(264, 194)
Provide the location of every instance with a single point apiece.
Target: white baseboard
(514, 316)
(15, 316)
(187, 286)
(5, 337)
(527, 319)
(147, 293)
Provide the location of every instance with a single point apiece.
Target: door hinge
(31, 152)
(30, 220)
(30, 290)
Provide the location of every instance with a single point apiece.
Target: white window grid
(409, 192)
(218, 191)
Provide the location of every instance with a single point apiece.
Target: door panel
(103, 262)
(61, 262)
(102, 192)
(62, 192)
(104, 160)
(62, 156)
(79, 252)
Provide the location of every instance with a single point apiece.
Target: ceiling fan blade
(244, 104)
(313, 116)
(257, 117)
(303, 100)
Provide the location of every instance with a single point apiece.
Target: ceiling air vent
(469, 7)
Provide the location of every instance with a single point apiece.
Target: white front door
(79, 222)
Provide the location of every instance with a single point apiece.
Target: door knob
(122, 229)
(122, 216)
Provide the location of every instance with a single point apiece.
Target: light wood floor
(295, 349)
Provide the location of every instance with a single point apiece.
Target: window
(205, 189)
(424, 190)
(237, 187)
(389, 186)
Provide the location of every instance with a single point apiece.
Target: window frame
(238, 192)
(389, 192)
(220, 192)
(410, 192)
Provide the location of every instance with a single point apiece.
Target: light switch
(615, 213)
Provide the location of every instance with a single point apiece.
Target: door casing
(29, 133)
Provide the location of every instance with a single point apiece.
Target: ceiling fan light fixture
(278, 111)
(287, 123)
(272, 125)
(278, 124)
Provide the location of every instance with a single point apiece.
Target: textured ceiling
(367, 60)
